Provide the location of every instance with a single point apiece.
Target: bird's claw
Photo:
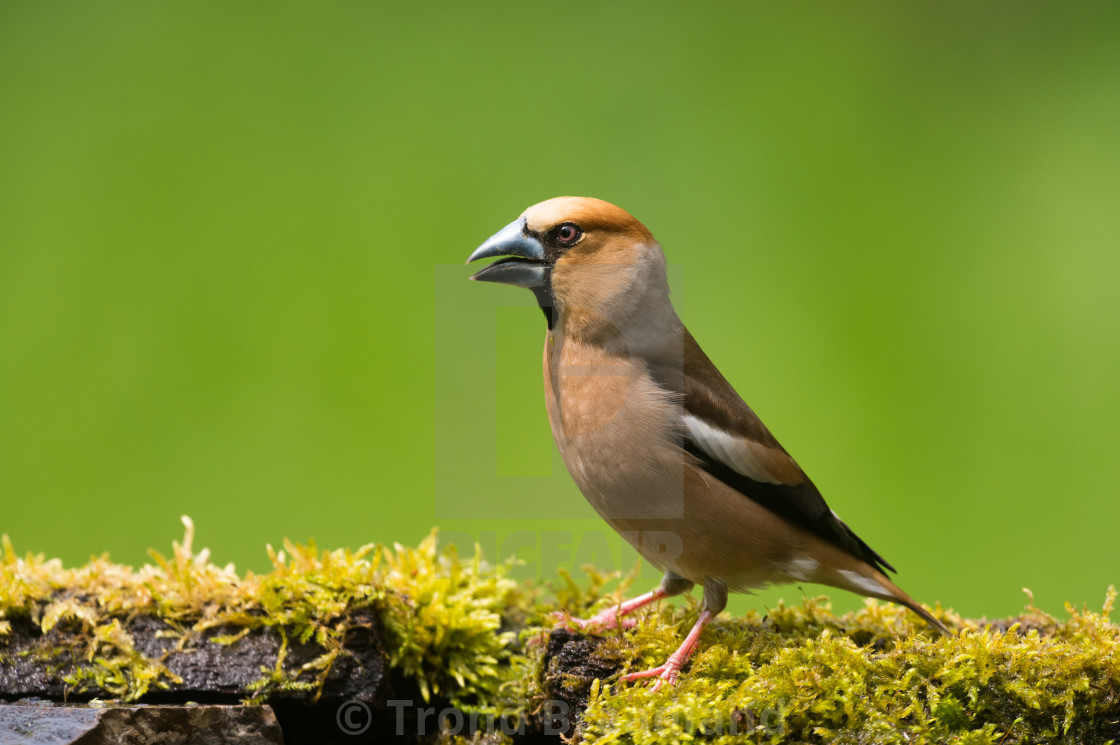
(667, 673)
(606, 620)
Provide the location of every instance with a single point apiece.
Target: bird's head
(583, 257)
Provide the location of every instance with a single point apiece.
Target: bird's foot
(613, 617)
(605, 620)
(671, 670)
(666, 673)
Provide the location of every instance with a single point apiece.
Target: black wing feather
(799, 503)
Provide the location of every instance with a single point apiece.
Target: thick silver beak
(524, 263)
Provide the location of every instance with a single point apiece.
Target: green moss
(116, 667)
(444, 617)
(462, 630)
(804, 675)
(445, 620)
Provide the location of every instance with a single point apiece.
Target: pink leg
(669, 671)
(611, 618)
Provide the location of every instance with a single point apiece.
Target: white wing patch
(734, 452)
(803, 570)
(863, 585)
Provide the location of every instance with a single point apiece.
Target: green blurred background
(231, 238)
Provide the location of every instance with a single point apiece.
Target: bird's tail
(896, 594)
(866, 580)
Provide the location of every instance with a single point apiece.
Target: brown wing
(732, 444)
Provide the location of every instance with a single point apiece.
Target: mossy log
(802, 674)
(221, 665)
(431, 647)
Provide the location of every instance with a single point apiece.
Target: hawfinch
(655, 437)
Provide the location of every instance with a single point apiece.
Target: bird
(655, 437)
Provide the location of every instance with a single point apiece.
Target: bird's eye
(568, 233)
